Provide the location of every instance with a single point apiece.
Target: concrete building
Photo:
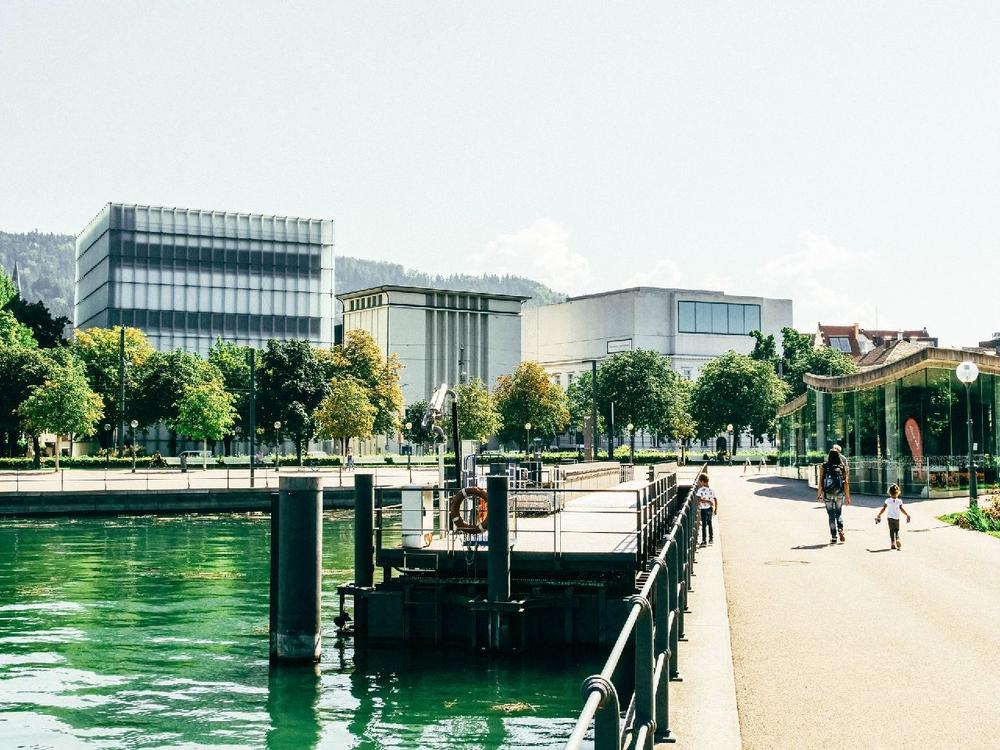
(186, 277)
(691, 326)
(439, 335)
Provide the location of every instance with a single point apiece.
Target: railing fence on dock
(654, 626)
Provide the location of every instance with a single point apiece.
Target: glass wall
(911, 431)
(717, 317)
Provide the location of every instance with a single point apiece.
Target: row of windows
(266, 261)
(215, 324)
(458, 301)
(717, 317)
(363, 303)
(217, 299)
(241, 279)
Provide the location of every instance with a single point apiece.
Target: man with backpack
(835, 491)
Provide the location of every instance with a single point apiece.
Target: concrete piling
(297, 569)
(498, 581)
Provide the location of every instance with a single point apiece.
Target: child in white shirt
(894, 505)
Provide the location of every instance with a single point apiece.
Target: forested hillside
(45, 265)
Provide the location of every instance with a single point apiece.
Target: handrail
(655, 624)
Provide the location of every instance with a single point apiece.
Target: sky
(842, 154)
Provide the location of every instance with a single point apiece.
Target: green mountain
(45, 267)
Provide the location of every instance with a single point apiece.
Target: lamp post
(967, 373)
(631, 442)
(277, 439)
(409, 449)
(133, 424)
(732, 445)
(527, 429)
(107, 450)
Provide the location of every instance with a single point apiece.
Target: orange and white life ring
(481, 510)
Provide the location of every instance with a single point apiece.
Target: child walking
(708, 506)
(894, 505)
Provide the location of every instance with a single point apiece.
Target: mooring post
(298, 526)
(498, 574)
(364, 547)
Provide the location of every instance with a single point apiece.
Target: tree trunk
(57, 451)
(204, 454)
(298, 449)
(227, 445)
(38, 452)
(173, 443)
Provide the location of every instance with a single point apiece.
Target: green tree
(233, 361)
(477, 413)
(414, 415)
(644, 390)
(63, 404)
(528, 396)
(8, 290)
(735, 389)
(580, 396)
(14, 333)
(292, 383)
(346, 411)
(21, 371)
(801, 357)
(97, 349)
(46, 330)
(360, 357)
(764, 349)
(204, 412)
(159, 385)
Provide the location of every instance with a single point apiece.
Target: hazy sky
(844, 154)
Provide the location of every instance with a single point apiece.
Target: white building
(441, 336)
(691, 326)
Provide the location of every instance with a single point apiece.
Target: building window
(686, 372)
(841, 344)
(717, 317)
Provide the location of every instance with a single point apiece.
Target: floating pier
(560, 555)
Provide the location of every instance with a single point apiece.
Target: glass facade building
(187, 277)
(902, 423)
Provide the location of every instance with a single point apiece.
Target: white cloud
(663, 272)
(541, 252)
(827, 282)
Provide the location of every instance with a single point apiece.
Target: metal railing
(633, 520)
(654, 625)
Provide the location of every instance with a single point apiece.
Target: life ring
(455, 511)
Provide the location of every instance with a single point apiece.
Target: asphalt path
(855, 645)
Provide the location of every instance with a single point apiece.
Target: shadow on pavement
(811, 546)
(876, 551)
(796, 489)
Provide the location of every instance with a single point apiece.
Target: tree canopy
(800, 357)
(291, 385)
(346, 411)
(735, 389)
(97, 349)
(528, 396)
(478, 417)
(63, 404)
(361, 358)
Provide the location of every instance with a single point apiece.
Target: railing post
(673, 562)
(607, 720)
(661, 633)
(645, 713)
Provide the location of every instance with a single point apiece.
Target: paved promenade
(855, 645)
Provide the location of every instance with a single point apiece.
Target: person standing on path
(708, 506)
(350, 459)
(835, 491)
(894, 505)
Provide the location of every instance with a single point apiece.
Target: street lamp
(409, 449)
(732, 444)
(277, 439)
(967, 373)
(107, 449)
(133, 424)
(527, 428)
(631, 442)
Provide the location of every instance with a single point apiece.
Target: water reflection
(293, 693)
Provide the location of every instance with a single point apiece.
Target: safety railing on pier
(654, 626)
(631, 519)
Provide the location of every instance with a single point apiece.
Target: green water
(152, 633)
